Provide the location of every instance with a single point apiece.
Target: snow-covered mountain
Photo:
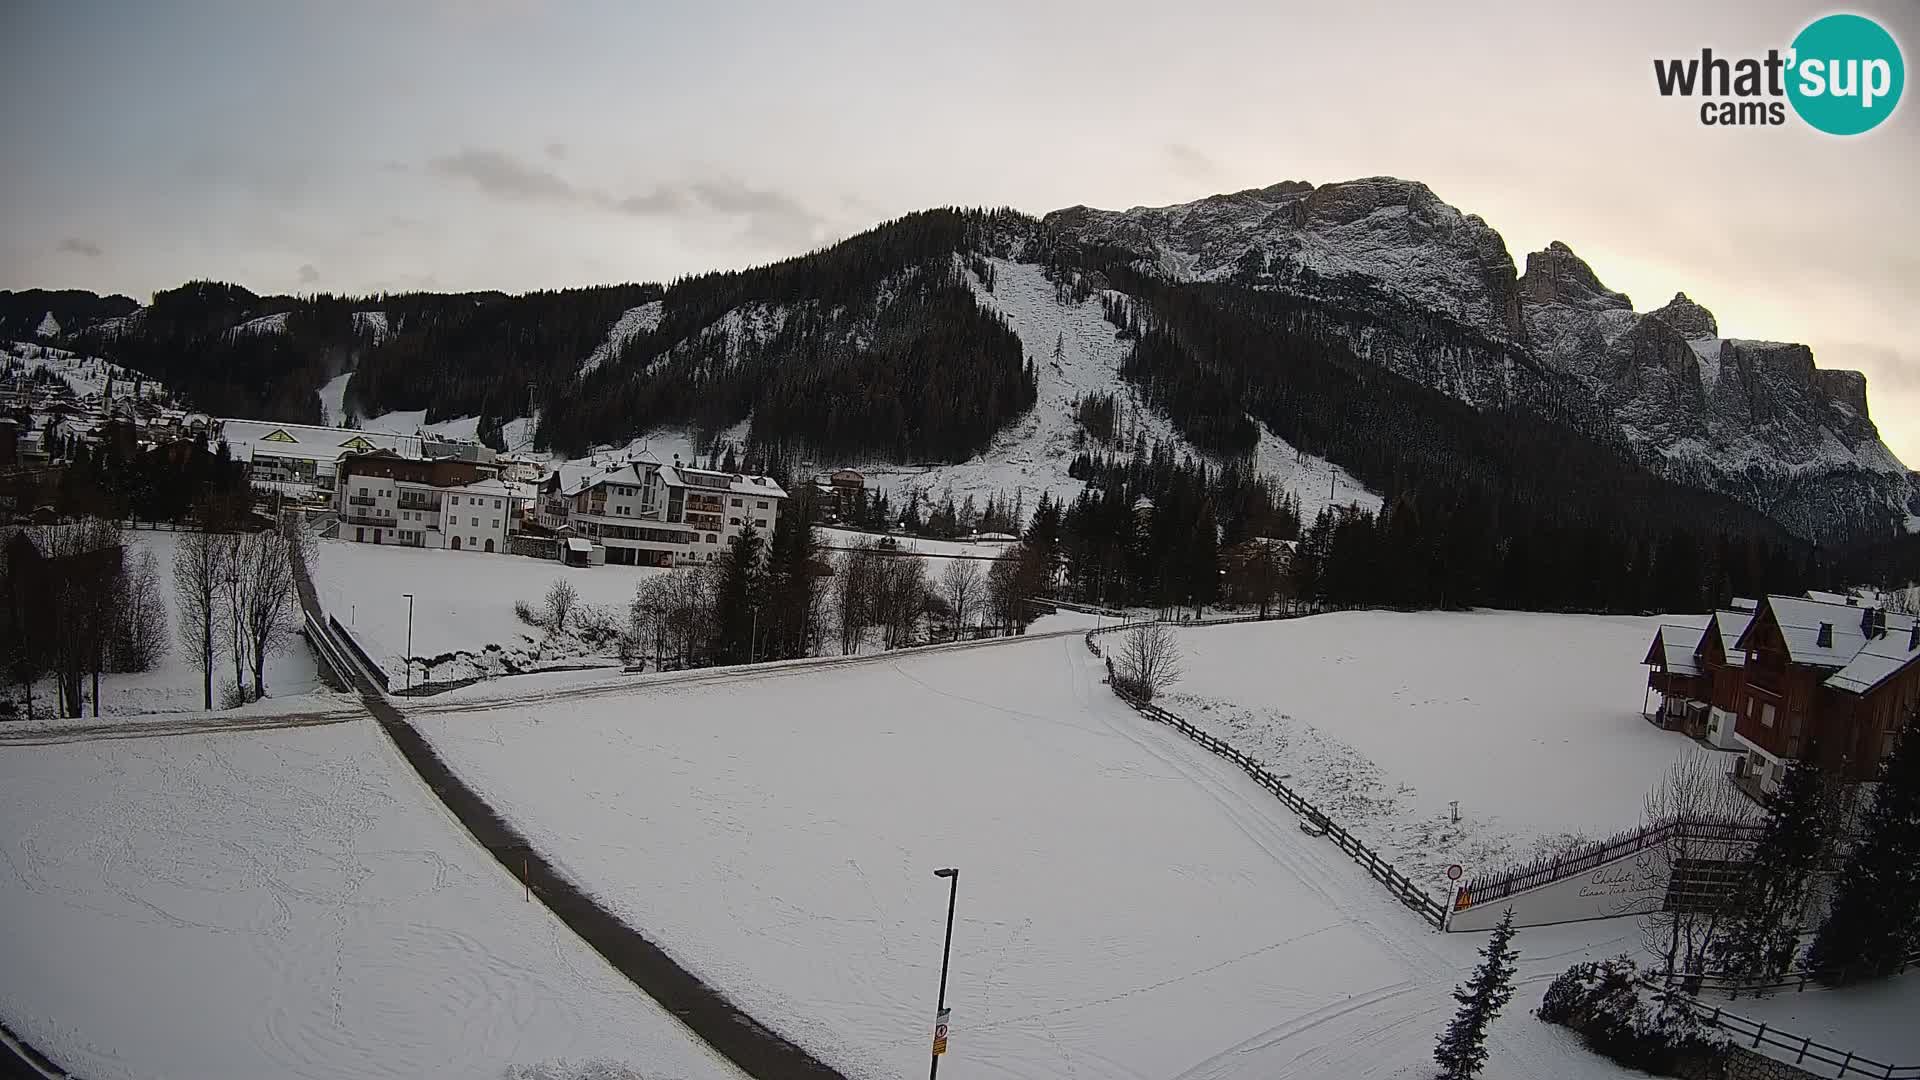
(1753, 419)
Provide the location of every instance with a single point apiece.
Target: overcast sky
(519, 144)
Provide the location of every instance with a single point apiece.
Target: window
(733, 521)
(496, 523)
(456, 500)
(761, 505)
(760, 522)
(736, 502)
(710, 540)
(363, 491)
(496, 504)
(476, 522)
(1766, 716)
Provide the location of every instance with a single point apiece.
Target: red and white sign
(940, 1032)
(1454, 872)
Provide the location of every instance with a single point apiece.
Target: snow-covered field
(463, 600)
(1875, 1021)
(1532, 722)
(288, 904)
(174, 685)
(1129, 906)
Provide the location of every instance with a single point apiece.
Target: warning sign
(940, 1032)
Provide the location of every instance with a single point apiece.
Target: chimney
(1825, 638)
(1873, 622)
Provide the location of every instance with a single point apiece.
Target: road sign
(1454, 872)
(940, 1032)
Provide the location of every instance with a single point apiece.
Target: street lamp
(409, 597)
(952, 874)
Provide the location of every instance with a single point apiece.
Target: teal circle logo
(1847, 74)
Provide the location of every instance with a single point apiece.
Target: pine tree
(736, 608)
(1875, 919)
(1765, 930)
(1462, 1048)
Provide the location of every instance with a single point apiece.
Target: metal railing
(1499, 886)
(361, 500)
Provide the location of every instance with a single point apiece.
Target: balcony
(419, 504)
(367, 519)
(360, 500)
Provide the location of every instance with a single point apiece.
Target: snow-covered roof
(1826, 597)
(1677, 646)
(307, 441)
(1731, 624)
(1800, 621)
(577, 476)
(764, 487)
(1741, 603)
(1879, 659)
(578, 544)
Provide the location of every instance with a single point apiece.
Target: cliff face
(1754, 419)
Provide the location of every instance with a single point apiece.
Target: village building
(639, 512)
(299, 461)
(385, 498)
(1824, 677)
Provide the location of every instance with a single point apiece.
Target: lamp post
(409, 597)
(952, 874)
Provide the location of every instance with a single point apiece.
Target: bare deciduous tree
(1149, 660)
(853, 590)
(562, 598)
(263, 599)
(961, 584)
(83, 563)
(1694, 792)
(141, 638)
(199, 576)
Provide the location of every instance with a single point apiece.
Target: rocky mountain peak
(1688, 319)
(1556, 275)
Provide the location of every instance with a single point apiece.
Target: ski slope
(1031, 455)
(289, 904)
(1129, 906)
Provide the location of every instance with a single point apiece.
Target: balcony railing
(419, 504)
(360, 500)
(363, 519)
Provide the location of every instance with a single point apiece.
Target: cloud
(557, 150)
(75, 246)
(504, 177)
(769, 217)
(1190, 163)
(308, 275)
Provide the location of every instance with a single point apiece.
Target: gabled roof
(1730, 625)
(308, 441)
(1800, 620)
(1673, 647)
(1879, 659)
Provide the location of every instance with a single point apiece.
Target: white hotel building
(645, 513)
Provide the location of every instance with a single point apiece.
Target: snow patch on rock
(633, 322)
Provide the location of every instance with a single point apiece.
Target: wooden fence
(1805, 1051)
(1800, 979)
(1311, 816)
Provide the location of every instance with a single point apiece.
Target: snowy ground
(463, 602)
(287, 904)
(1382, 718)
(1875, 1021)
(333, 401)
(174, 686)
(1129, 905)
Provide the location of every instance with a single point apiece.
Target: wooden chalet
(1790, 678)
